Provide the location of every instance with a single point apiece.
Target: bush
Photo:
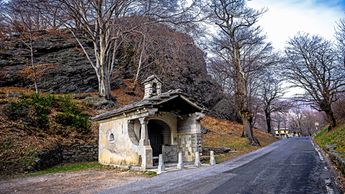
(41, 109)
(64, 119)
(67, 105)
(34, 110)
(71, 115)
(80, 122)
(15, 111)
(45, 101)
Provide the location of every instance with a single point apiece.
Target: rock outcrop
(63, 68)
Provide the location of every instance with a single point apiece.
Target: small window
(154, 88)
(111, 137)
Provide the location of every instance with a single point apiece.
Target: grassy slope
(222, 133)
(335, 137)
(20, 143)
(19, 146)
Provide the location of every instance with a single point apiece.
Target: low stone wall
(217, 150)
(80, 153)
(47, 158)
(64, 154)
(336, 158)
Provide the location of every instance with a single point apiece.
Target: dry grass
(8, 90)
(222, 133)
(123, 97)
(41, 69)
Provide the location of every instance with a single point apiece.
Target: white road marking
(327, 181)
(329, 189)
(317, 150)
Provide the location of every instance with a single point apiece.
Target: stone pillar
(212, 160)
(144, 133)
(146, 157)
(161, 166)
(145, 147)
(197, 162)
(180, 161)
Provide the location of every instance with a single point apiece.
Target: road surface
(287, 166)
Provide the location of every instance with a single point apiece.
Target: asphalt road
(287, 166)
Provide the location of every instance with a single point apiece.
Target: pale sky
(285, 18)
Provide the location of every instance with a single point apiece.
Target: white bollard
(161, 166)
(197, 159)
(180, 161)
(212, 160)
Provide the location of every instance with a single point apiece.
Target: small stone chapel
(160, 123)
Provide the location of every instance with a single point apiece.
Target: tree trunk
(247, 121)
(139, 64)
(331, 119)
(104, 70)
(33, 64)
(104, 87)
(268, 121)
(241, 99)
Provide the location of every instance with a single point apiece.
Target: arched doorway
(159, 134)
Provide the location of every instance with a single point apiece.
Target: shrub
(34, 110)
(67, 105)
(45, 101)
(15, 111)
(64, 119)
(79, 122)
(41, 110)
(82, 124)
(71, 115)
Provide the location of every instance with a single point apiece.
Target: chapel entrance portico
(159, 135)
(161, 123)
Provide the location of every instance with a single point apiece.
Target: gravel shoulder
(86, 181)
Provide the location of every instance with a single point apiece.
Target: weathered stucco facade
(161, 123)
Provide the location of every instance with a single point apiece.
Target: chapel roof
(150, 78)
(172, 98)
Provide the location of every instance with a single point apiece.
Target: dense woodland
(213, 50)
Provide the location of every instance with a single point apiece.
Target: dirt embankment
(227, 134)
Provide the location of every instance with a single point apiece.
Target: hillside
(36, 129)
(333, 143)
(25, 138)
(227, 134)
(334, 138)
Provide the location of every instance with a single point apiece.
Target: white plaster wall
(121, 151)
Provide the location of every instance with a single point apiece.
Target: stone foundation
(189, 144)
(169, 153)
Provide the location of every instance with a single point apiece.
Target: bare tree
(3, 23)
(99, 21)
(244, 52)
(340, 35)
(270, 94)
(303, 120)
(280, 120)
(23, 19)
(313, 65)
